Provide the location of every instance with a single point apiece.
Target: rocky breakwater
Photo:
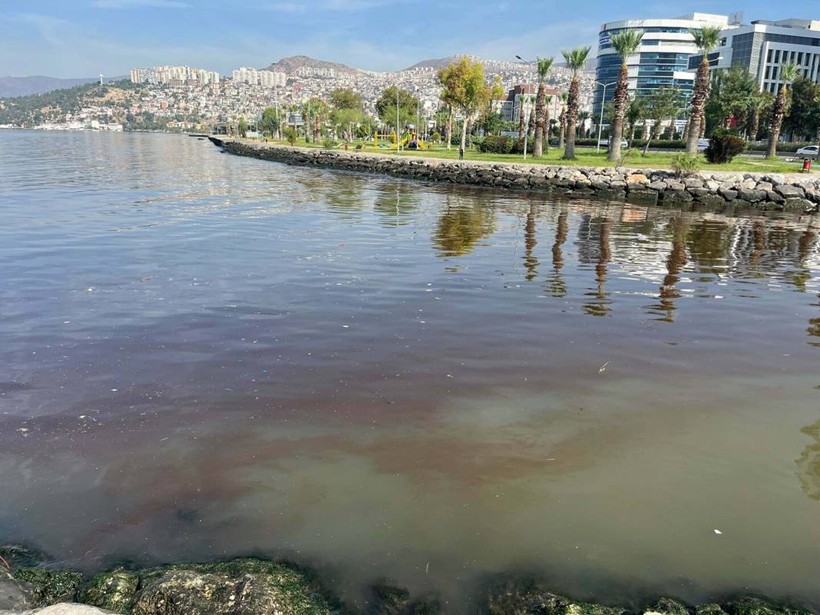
(718, 190)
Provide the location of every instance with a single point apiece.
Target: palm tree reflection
(599, 305)
(808, 464)
(530, 241)
(674, 264)
(557, 286)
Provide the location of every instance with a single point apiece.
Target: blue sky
(80, 38)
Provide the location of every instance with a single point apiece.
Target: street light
(601, 120)
(527, 118)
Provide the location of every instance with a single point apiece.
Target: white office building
(763, 47)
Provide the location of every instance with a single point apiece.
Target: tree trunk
(572, 117)
(621, 100)
(463, 147)
(546, 129)
(755, 128)
(778, 113)
(521, 118)
(449, 129)
(540, 107)
(699, 95)
(562, 128)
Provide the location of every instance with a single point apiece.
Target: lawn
(588, 157)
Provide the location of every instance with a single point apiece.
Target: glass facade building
(661, 61)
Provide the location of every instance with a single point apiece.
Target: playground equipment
(409, 139)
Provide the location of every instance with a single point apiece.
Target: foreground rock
(262, 587)
(721, 191)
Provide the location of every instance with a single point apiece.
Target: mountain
(291, 64)
(435, 63)
(24, 86)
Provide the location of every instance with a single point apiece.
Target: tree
(544, 68)
(625, 43)
(386, 107)
(345, 98)
(706, 40)
(729, 100)
(660, 106)
(576, 59)
(757, 104)
(804, 118)
(464, 87)
(270, 121)
(788, 73)
(634, 112)
(242, 127)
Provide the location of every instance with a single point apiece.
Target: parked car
(703, 144)
(811, 152)
(605, 143)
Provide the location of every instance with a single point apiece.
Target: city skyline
(88, 37)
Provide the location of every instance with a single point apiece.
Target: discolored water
(203, 355)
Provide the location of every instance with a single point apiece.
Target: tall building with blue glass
(661, 61)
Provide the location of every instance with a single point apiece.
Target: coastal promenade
(712, 189)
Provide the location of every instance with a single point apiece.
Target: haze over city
(87, 37)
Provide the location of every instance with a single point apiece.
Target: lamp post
(601, 119)
(527, 118)
(397, 117)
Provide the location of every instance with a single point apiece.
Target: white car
(703, 145)
(605, 143)
(810, 152)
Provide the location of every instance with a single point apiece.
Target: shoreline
(718, 190)
(257, 586)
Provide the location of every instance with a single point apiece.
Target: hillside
(291, 64)
(25, 86)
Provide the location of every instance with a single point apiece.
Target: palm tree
(544, 68)
(706, 40)
(546, 130)
(576, 59)
(625, 43)
(562, 120)
(757, 104)
(788, 73)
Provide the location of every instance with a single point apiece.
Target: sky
(83, 38)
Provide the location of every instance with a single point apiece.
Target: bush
(518, 147)
(328, 143)
(436, 136)
(723, 146)
(290, 135)
(685, 165)
(496, 145)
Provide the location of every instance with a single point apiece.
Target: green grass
(586, 157)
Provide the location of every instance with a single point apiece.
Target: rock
(388, 599)
(753, 196)
(709, 609)
(789, 191)
(238, 587)
(675, 185)
(658, 185)
(667, 606)
(758, 606)
(794, 204)
(637, 178)
(14, 596)
(114, 590)
(68, 608)
(765, 186)
(774, 197)
(729, 195)
(49, 586)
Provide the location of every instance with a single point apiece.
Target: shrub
(436, 136)
(328, 143)
(685, 165)
(496, 145)
(723, 146)
(290, 135)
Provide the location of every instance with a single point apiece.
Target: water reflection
(530, 241)
(461, 225)
(396, 202)
(669, 292)
(556, 285)
(808, 464)
(593, 244)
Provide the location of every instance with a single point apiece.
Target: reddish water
(203, 356)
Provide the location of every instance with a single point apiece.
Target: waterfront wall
(791, 192)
